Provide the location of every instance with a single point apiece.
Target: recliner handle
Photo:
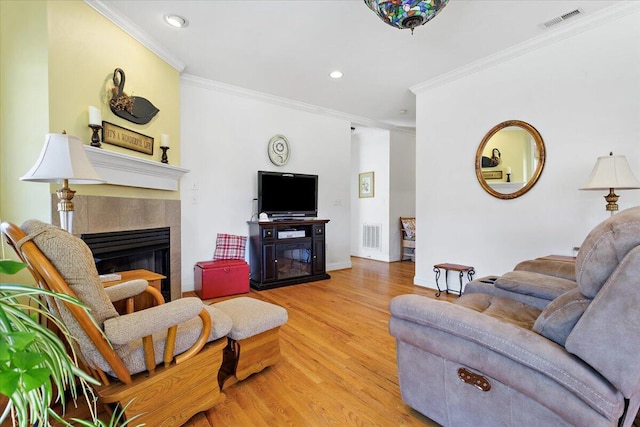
(474, 379)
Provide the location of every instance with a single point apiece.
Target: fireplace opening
(146, 249)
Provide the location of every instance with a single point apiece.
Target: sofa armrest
(413, 316)
(534, 284)
(550, 267)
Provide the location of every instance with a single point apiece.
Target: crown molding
(286, 102)
(588, 22)
(129, 27)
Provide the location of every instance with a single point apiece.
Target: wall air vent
(561, 18)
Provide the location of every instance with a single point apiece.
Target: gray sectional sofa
(544, 345)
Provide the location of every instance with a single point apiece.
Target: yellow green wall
(56, 59)
(24, 107)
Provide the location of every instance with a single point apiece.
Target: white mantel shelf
(120, 169)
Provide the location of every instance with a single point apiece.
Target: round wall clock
(278, 150)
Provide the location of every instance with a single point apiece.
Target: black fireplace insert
(146, 249)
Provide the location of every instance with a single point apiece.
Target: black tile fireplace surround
(146, 249)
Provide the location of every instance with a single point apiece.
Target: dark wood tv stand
(286, 252)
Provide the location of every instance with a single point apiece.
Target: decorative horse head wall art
(132, 108)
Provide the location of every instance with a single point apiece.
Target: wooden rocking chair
(163, 361)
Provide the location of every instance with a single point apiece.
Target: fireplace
(146, 249)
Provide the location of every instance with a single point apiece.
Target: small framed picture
(365, 184)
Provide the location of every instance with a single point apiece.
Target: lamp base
(611, 199)
(65, 206)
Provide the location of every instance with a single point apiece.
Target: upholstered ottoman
(253, 339)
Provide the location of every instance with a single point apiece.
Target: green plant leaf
(26, 360)
(20, 340)
(8, 266)
(9, 382)
(34, 378)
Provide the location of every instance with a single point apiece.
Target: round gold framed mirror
(510, 159)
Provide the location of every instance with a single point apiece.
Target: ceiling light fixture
(176, 21)
(406, 13)
(335, 74)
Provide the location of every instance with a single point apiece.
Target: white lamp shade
(611, 172)
(63, 157)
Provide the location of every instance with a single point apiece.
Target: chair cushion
(409, 226)
(229, 246)
(558, 319)
(604, 248)
(73, 259)
(535, 284)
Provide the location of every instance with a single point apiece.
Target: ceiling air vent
(561, 18)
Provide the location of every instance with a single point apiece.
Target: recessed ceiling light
(176, 21)
(335, 74)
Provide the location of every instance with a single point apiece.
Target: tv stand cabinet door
(318, 265)
(269, 267)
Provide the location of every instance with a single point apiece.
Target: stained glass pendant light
(406, 13)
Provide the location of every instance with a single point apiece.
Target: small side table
(454, 267)
(141, 301)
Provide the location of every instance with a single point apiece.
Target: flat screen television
(287, 195)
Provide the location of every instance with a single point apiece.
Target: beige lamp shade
(611, 172)
(63, 157)
(63, 160)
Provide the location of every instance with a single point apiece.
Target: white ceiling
(287, 48)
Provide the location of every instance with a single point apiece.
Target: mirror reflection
(510, 159)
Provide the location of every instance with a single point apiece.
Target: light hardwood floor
(338, 365)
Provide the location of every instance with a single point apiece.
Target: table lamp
(609, 173)
(63, 160)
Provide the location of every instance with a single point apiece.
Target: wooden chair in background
(407, 238)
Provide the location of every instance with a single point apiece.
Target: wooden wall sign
(116, 135)
(492, 174)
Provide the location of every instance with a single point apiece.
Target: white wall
(224, 140)
(370, 153)
(402, 186)
(582, 94)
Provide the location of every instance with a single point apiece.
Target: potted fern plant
(35, 367)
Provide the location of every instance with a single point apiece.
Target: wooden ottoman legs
(249, 356)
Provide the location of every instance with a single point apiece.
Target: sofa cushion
(504, 309)
(535, 284)
(558, 319)
(604, 248)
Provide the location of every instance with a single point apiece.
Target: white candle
(508, 169)
(94, 116)
(164, 140)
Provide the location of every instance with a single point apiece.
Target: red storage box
(219, 278)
